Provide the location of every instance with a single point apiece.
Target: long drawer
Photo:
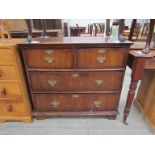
(12, 108)
(6, 57)
(75, 102)
(76, 81)
(101, 58)
(10, 91)
(8, 73)
(49, 58)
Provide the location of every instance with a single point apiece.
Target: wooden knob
(1, 74)
(3, 91)
(9, 108)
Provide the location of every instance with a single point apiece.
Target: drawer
(12, 109)
(6, 57)
(101, 58)
(8, 73)
(76, 81)
(49, 58)
(10, 91)
(75, 102)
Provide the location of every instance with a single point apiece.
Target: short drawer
(49, 58)
(101, 58)
(10, 91)
(12, 109)
(76, 81)
(75, 102)
(6, 57)
(8, 73)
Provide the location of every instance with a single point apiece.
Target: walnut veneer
(74, 76)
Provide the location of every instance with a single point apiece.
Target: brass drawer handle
(101, 51)
(100, 59)
(49, 60)
(49, 51)
(52, 83)
(9, 108)
(97, 104)
(55, 104)
(75, 95)
(3, 91)
(75, 75)
(99, 82)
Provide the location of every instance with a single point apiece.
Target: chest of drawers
(14, 100)
(74, 76)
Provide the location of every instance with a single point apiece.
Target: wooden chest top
(90, 41)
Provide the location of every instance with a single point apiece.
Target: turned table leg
(131, 94)
(137, 68)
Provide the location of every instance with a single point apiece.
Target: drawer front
(6, 57)
(12, 109)
(76, 81)
(101, 58)
(10, 91)
(8, 73)
(75, 102)
(49, 58)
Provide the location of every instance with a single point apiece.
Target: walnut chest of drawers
(14, 100)
(74, 76)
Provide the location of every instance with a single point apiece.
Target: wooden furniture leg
(120, 30)
(133, 25)
(28, 23)
(131, 94)
(136, 75)
(146, 49)
(4, 29)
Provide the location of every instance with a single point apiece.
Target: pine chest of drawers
(14, 100)
(74, 76)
